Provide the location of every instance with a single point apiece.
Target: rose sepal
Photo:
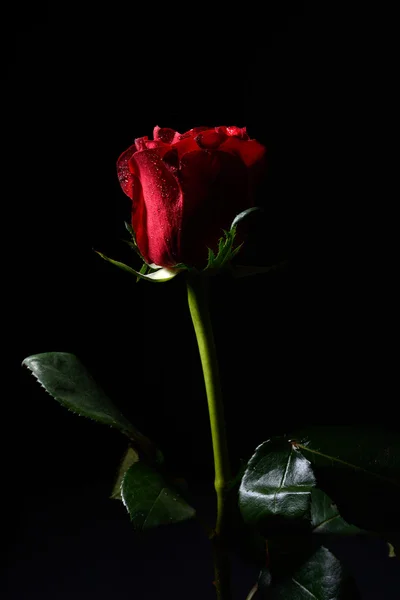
(158, 275)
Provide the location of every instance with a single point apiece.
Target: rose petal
(215, 189)
(171, 159)
(157, 221)
(155, 144)
(165, 134)
(210, 139)
(140, 143)
(126, 173)
(239, 132)
(183, 196)
(193, 132)
(250, 151)
(185, 145)
(158, 147)
(234, 131)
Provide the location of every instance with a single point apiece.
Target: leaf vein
(304, 589)
(283, 477)
(326, 521)
(152, 508)
(347, 464)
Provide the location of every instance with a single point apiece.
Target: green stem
(198, 305)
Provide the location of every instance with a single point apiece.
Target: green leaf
(133, 244)
(368, 449)
(325, 517)
(150, 501)
(360, 469)
(226, 252)
(391, 549)
(159, 276)
(129, 228)
(224, 249)
(130, 244)
(320, 577)
(241, 537)
(182, 267)
(143, 270)
(221, 245)
(130, 457)
(211, 258)
(276, 486)
(243, 215)
(65, 378)
(236, 251)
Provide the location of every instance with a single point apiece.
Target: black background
(308, 344)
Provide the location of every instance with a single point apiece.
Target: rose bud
(186, 188)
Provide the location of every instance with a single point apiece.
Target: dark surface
(307, 345)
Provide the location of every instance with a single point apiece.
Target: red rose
(185, 188)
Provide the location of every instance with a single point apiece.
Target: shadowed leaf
(243, 215)
(325, 517)
(320, 577)
(359, 468)
(276, 485)
(130, 457)
(65, 378)
(159, 276)
(150, 501)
